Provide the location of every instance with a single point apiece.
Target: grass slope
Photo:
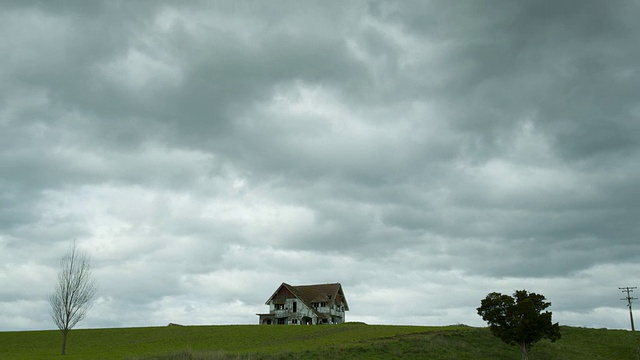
(347, 341)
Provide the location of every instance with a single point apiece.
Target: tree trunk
(524, 350)
(64, 341)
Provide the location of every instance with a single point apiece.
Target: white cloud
(140, 73)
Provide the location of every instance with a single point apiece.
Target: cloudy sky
(423, 154)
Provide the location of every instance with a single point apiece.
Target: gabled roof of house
(308, 294)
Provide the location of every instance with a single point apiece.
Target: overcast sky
(422, 154)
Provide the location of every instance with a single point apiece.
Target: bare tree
(73, 293)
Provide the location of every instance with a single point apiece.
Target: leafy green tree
(519, 319)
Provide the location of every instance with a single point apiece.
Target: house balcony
(332, 312)
(281, 313)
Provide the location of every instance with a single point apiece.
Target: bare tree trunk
(524, 350)
(64, 342)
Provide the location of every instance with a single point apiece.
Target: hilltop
(346, 341)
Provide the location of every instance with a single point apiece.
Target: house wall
(285, 311)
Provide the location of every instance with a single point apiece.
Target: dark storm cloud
(390, 146)
(567, 64)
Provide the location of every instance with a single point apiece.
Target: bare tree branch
(73, 293)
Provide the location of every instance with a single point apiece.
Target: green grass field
(346, 341)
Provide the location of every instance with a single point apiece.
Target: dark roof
(308, 294)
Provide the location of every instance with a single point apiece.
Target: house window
(295, 306)
(281, 321)
(279, 306)
(294, 321)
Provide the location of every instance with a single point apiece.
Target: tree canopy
(519, 319)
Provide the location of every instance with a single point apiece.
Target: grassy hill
(346, 341)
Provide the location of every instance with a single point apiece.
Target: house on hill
(306, 305)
